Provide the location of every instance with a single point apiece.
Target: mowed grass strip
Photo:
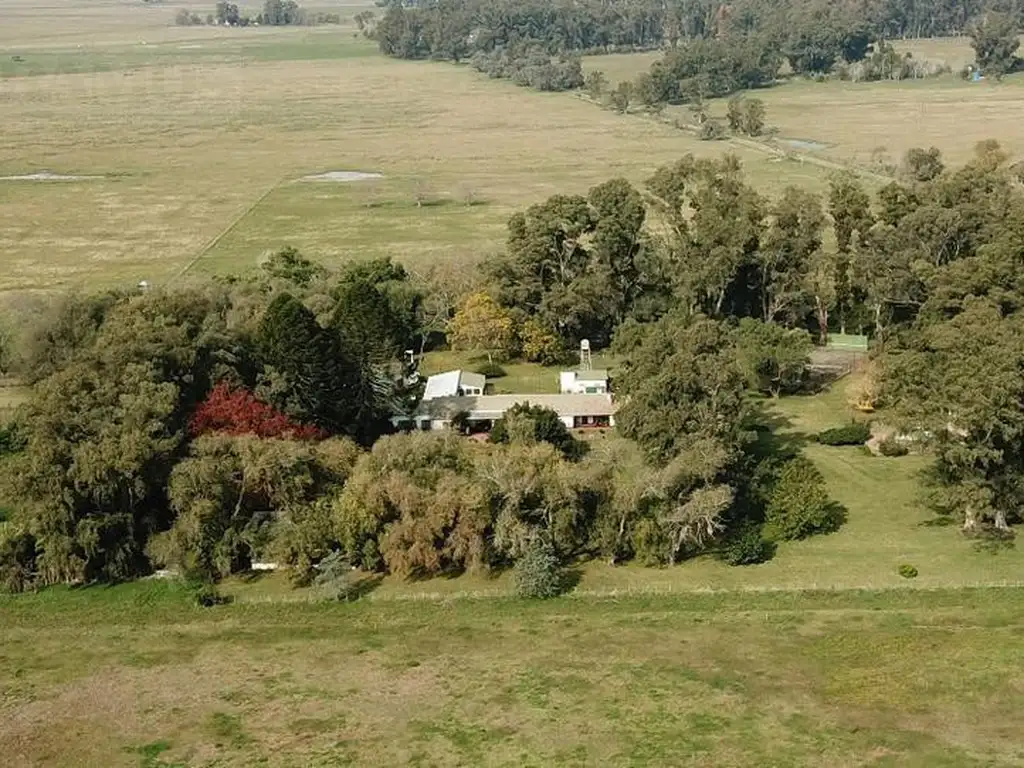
(120, 675)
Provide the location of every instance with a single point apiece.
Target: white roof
(494, 406)
(449, 383)
(595, 375)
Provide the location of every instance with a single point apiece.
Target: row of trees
(276, 13)
(712, 49)
(811, 33)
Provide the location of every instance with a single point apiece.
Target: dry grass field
(864, 123)
(200, 135)
(137, 676)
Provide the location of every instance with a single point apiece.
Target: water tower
(586, 361)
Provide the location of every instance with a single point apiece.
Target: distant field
(200, 135)
(866, 122)
(136, 676)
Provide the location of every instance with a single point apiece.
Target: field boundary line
(635, 592)
(224, 232)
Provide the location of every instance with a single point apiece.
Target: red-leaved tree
(232, 411)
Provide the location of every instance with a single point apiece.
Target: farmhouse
(454, 384)
(480, 412)
(583, 382)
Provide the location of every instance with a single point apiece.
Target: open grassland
(200, 135)
(136, 676)
(864, 123)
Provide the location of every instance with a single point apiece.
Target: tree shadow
(569, 579)
(252, 577)
(992, 543)
(837, 516)
(363, 586)
(774, 433)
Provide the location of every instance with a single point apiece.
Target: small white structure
(583, 382)
(454, 384)
(586, 360)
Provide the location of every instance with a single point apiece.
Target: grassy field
(863, 123)
(199, 136)
(137, 676)
(520, 378)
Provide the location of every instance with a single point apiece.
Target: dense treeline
(455, 29)
(206, 428)
(713, 48)
(276, 13)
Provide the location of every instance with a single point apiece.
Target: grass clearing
(520, 378)
(844, 679)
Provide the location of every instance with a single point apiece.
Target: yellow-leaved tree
(481, 324)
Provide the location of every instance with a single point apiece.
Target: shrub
(536, 572)
(891, 447)
(907, 571)
(206, 595)
(712, 130)
(17, 559)
(799, 505)
(651, 544)
(748, 546)
(536, 423)
(855, 433)
(491, 370)
(233, 411)
(335, 579)
(11, 440)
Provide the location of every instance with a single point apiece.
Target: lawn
(521, 378)
(136, 676)
(199, 137)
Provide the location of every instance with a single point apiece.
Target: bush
(491, 370)
(536, 573)
(11, 440)
(651, 544)
(334, 579)
(17, 559)
(907, 571)
(799, 505)
(748, 546)
(891, 447)
(206, 595)
(855, 433)
(536, 423)
(712, 130)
